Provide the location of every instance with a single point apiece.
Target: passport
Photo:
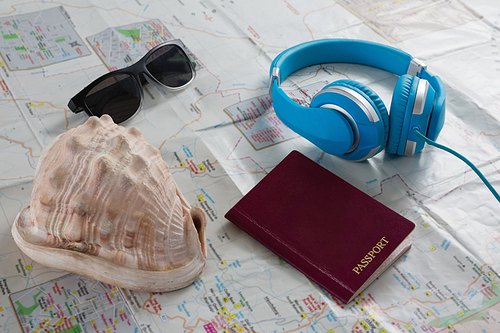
(335, 234)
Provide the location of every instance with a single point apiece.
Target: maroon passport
(335, 234)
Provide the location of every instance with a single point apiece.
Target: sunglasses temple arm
(72, 106)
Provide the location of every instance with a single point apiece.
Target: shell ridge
(78, 167)
(179, 233)
(55, 219)
(112, 213)
(132, 199)
(75, 188)
(100, 195)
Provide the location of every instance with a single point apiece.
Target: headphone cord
(463, 158)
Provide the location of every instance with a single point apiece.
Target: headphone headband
(360, 52)
(342, 50)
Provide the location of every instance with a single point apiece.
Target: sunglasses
(119, 93)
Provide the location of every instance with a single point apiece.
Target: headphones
(347, 118)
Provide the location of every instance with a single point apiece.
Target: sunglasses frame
(77, 103)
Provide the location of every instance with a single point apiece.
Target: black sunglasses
(119, 93)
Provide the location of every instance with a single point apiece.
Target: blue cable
(463, 158)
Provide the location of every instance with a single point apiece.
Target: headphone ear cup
(355, 100)
(399, 111)
(379, 106)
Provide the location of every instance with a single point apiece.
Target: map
(73, 304)
(39, 39)
(120, 46)
(220, 136)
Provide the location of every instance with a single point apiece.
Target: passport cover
(336, 235)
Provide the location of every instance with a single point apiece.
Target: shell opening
(200, 223)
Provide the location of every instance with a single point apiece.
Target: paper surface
(447, 281)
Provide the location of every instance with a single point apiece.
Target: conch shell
(105, 205)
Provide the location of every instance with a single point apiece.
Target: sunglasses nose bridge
(142, 77)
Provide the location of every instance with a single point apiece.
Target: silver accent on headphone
(351, 121)
(415, 67)
(275, 75)
(418, 105)
(418, 109)
(370, 154)
(410, 147)
(357, 98)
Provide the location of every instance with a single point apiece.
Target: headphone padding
(380, 106)
(399, 105)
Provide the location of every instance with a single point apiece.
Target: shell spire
(105, 205)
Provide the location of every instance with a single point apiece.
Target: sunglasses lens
(118, 96)
(170, 66)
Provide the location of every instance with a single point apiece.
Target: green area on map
(10, 36)
(132, 33)
(21, 309)
(74, 329)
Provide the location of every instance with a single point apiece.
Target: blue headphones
(348, 119)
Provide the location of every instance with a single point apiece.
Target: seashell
(105, 205)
